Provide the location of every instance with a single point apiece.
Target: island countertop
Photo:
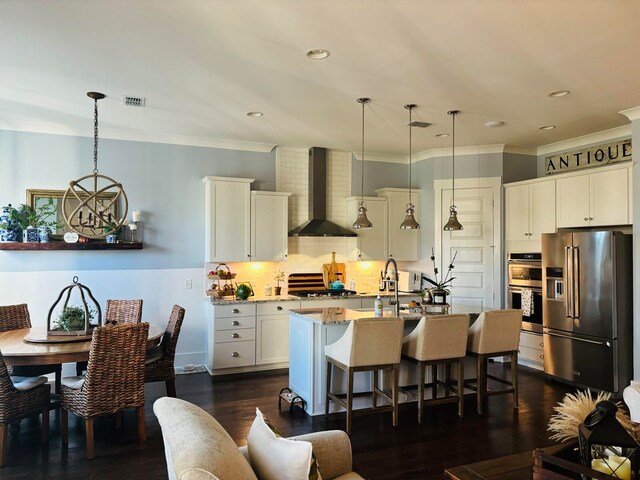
(339, 315)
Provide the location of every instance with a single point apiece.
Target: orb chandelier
(83, 209)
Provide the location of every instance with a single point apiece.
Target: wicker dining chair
(21, 397)
(114, 379)
(116, 313)
(160, 359)
(15, 317)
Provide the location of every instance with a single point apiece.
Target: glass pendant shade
(410, 222)
(362, 222)
(453, 223)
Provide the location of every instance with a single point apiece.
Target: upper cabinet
(594, 199)
(241, 225)
(371, 243)
(269, 223)
(403, 245)
(530, 211)
(228, 215)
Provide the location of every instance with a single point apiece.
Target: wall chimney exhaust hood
(318, 225)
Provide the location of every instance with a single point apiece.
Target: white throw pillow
(276, 458)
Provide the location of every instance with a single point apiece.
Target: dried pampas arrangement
(572, 411)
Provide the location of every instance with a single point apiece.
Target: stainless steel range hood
(318, 225)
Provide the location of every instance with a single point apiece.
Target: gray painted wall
(635, 173)
(163, 181)
(517, 167)
(377, 175)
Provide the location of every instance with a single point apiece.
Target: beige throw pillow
(275, 458)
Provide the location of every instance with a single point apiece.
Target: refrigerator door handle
(553, 334)
(576, 282)
(568, 281)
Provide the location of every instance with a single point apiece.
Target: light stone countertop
(290, 298)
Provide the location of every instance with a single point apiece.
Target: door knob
(586, 219)
(590, 218)
(235, 354)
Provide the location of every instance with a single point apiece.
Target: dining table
(32, 346)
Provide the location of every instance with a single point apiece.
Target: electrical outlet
(188, 284)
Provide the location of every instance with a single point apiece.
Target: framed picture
(36, 197)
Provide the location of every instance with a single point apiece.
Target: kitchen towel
(526, 302)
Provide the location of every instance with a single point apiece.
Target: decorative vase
(277, 290)
(44, 234)
(427, 298)
(631, 397)
(13, 231)
(30, 235)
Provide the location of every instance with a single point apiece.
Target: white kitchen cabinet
(530, 212)
(531, 350)
(371, 243)
(269, 224)
(403, 245)
(228, 215)
(272, 332)
(594, 199)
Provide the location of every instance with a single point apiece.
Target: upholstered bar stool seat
(494, 334)
(438, 340)
(368, 344)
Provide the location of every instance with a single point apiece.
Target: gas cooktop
(323, 293)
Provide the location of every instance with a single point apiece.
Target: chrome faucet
(395, 281)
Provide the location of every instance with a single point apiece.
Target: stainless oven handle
(604, 344)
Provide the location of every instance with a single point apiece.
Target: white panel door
(572, 196)
(474, 245)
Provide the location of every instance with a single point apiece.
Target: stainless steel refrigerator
(588, 308)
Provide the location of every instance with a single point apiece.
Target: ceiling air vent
(133, 101)
(415, 123)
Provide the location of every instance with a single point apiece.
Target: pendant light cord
(95, 136)
(410, 111)
(453, 156)
(362, 169)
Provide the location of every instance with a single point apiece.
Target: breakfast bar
(311, 329)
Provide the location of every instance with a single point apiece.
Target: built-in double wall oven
(524, 289)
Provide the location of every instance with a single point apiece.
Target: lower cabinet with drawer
(531, 350)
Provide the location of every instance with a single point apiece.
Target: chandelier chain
(95, 136)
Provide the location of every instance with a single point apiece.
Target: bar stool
(494, 334)
(438, 340)
(368, 344)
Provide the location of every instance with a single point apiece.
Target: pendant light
(453, 223)
(362, 221)
(90, 209)
(410, 221)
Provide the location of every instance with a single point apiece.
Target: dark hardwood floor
(410, 451)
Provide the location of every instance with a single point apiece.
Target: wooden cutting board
(333, 271)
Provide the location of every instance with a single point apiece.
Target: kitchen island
(310, 329)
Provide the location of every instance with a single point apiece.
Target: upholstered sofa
(198, 448)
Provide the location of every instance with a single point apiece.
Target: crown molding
(533, 151)
(381, 157)
(596, 137)
(631, 113)
(139, 136)
(471, 150)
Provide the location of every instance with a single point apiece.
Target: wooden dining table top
(17, 351)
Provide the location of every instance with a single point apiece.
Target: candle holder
(133, 226)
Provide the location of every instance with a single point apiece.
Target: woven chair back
(123, 311)
(115, 373)
(171, 334)
(13, 317)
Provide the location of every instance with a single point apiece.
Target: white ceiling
(202, 64)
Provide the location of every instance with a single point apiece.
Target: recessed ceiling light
(442, 135)
(318, 53)
(548, 127)
(255, 114)
(494, 123)
(559, 93)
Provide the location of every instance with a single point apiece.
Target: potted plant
(71, 319)
(278, 276)
(440, 288)
(10, 231)
(35, 223)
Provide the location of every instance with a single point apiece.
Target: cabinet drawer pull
(236, 323)
(586, 219)
(235, 310)
(542, 344)
(542, 357)
(278, 307)
(235, 354)
(235, 335)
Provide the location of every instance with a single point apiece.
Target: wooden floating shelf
(93, 245)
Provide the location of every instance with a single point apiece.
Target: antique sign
(595, 156)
